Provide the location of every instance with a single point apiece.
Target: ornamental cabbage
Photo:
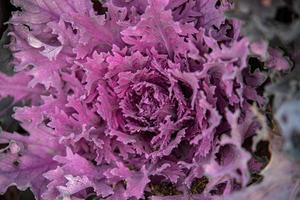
(129, 97)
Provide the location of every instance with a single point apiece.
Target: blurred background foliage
(277, 22)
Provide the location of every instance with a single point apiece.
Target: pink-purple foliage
(147, 93)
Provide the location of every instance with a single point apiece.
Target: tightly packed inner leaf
(150, 93)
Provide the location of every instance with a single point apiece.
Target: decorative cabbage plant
(130, 100)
